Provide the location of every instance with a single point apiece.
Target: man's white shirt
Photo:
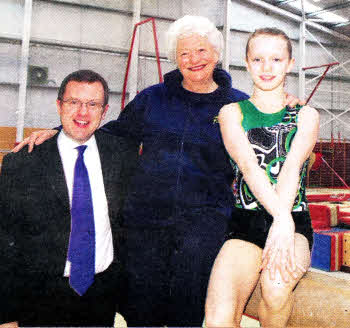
(103, 233)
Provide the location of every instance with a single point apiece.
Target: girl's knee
(277, 297)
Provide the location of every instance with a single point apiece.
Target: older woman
(180, 199)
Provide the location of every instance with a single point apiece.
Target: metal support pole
(135, 59)
(130, 56)
(320, 79)
(22, 93)
(227, 35)
(335, 117)
(302, 41)
(156, 48)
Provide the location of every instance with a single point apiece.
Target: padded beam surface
(321, 301)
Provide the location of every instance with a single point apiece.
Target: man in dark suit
(43, 282)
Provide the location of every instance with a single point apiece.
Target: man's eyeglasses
(76, 104)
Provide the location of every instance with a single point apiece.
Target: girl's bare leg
(233, 278)
(277, 295)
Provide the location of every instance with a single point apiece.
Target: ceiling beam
(328, 9)
(297, 18)
(284, 2)
(342, 24)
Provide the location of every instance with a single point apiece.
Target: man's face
(81, 109)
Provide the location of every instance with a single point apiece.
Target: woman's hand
(292, 101)
(279, 253)
(36, 138)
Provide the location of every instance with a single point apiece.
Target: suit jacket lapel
(108, 169)
(51, 160)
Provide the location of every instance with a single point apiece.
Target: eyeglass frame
(81, 103)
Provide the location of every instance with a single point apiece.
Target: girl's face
(268, 61)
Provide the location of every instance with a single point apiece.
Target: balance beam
(320, 301)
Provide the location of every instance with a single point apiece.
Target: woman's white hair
(189, 25)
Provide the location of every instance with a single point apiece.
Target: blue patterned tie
(81, 251)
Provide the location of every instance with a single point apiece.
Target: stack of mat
(327, 253)
(343, 213)
(315, 195)
(346, 252)
(324, 215)
(331, 222)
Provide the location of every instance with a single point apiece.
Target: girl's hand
(279, 253)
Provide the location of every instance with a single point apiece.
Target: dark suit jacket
(35, 215)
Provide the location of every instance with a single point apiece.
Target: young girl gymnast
(270, 234)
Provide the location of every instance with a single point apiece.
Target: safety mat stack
(324, 215)
(346, 252)
(315, 195)
(330, 217)
(343, 213)
(328, 250)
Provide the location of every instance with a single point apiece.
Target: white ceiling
(334, 14)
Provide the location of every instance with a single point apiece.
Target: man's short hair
(84, 75)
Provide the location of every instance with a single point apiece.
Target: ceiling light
(326, 16)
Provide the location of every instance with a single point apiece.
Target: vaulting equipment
(320, 301)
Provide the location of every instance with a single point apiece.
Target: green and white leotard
(271, 136)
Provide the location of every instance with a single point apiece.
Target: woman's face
(196, 59)
(268, 61)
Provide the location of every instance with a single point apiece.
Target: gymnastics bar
(320, 301)
(130, 54)
(328, 66)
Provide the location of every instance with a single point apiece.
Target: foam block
(321, 252)
(336, 253)
(328, 198)
(344, 220)
(320, 216)
(327, 194)
(346, 251)
(343, 209)
(327, 252)
(334, 210)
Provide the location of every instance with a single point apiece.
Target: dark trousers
(168, 271)
(57, 304)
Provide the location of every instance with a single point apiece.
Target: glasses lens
(92, 105)
(74, 103)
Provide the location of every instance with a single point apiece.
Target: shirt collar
(66, 142)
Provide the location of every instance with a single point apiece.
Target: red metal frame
(320, 181)
(328, 66)
(337, 175)
(130, 54)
